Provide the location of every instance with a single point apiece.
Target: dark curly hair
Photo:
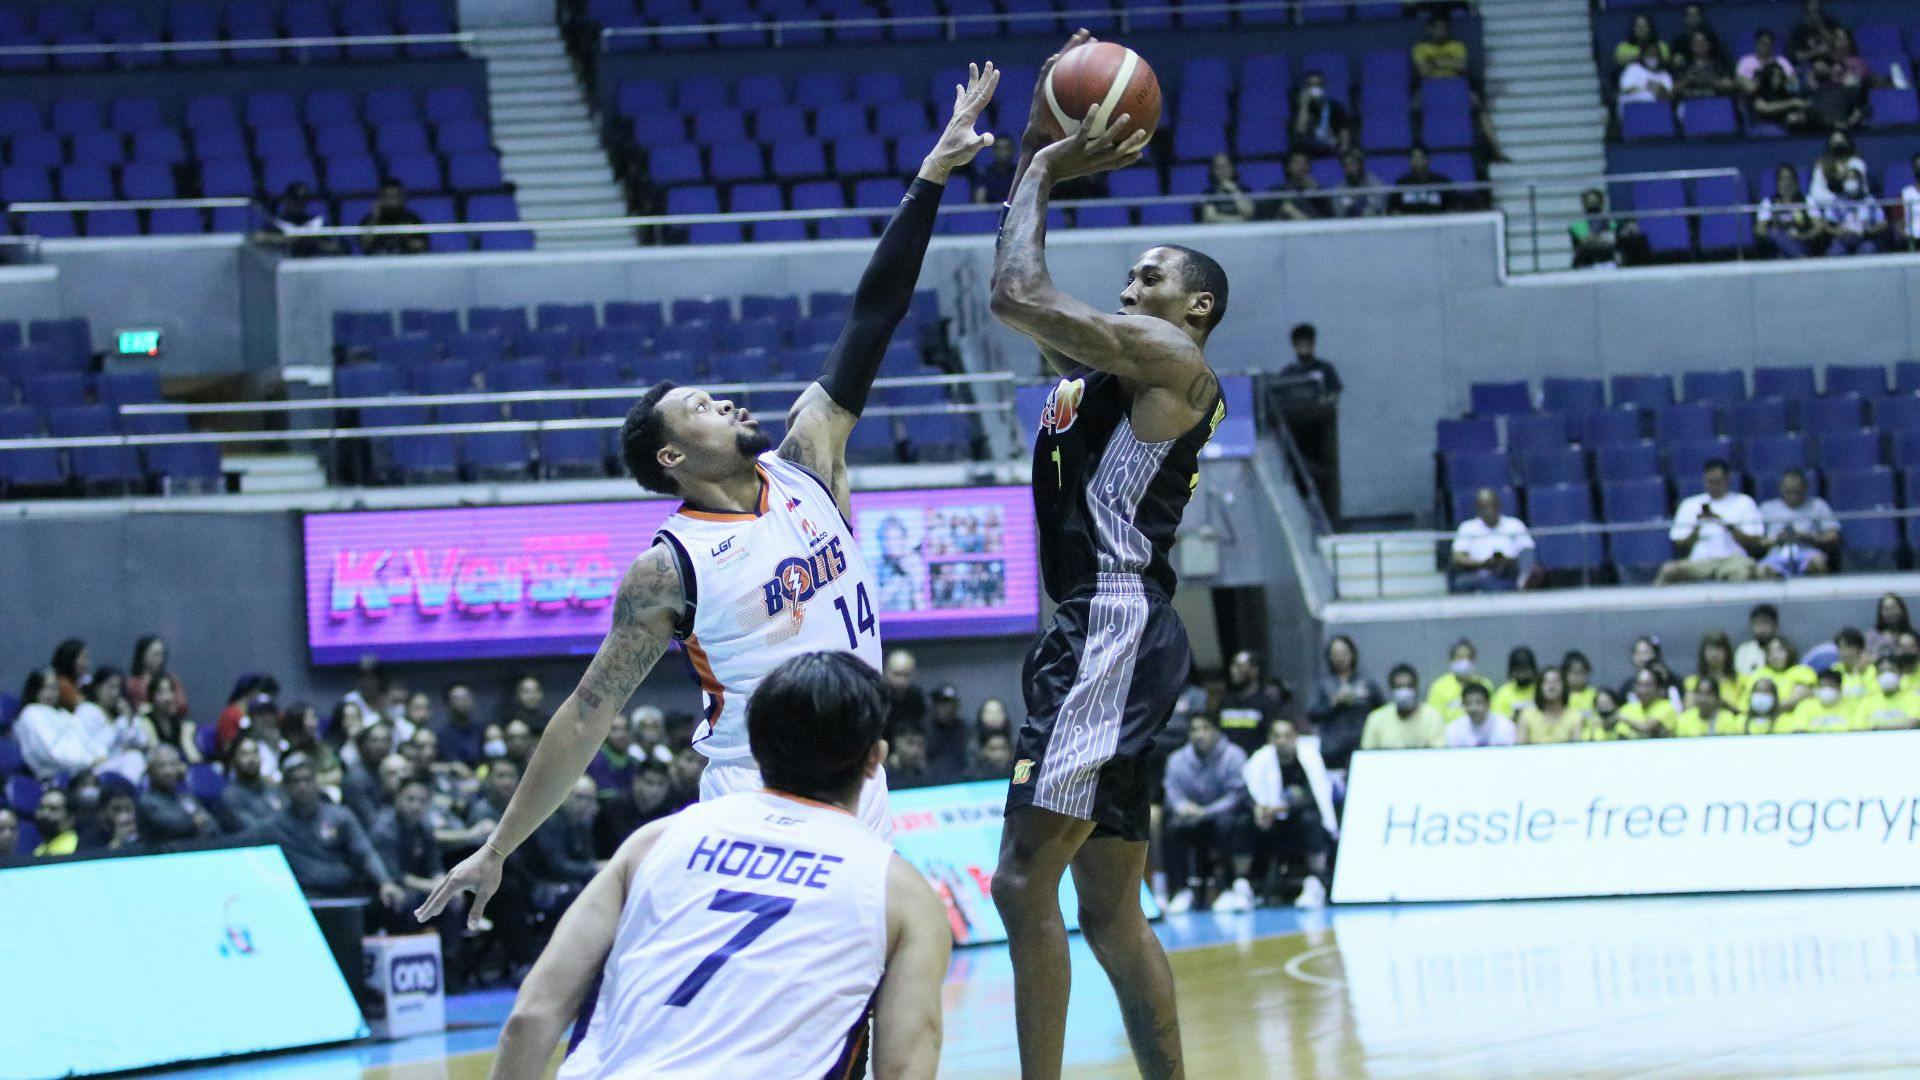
(642, 436)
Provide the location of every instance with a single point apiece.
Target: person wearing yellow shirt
(1891, 705)
(1856, 671)
(1580, 688)
(1715, 661)
(54, 819)
(1405, 723)
(1604, 722)
(1827, 710)
(1444, 695)
(1764, 714)
(1709, 716)
(1794, 680)
(1548, 719)
(1648, 710)
(1523, 671)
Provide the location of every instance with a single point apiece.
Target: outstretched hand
(478, 873)
(1083, 153)
(1042, 128)
(959, 143)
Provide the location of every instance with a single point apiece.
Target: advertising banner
(539, 580)
(1659, 816)
(951, 834)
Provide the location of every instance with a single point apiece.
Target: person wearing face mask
(1444, 696)
(1837, 162)
(1604, 720)
(1709, 716)
(1907, 652)
(1890, 705)
(1826, 710)
(1523, 673)
(1794, 679)
(1480, 725)
(1858, 224)
(1764, 714)
(1320, 124)
(1648, 708)
(1405, 722)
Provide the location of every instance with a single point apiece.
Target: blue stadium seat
(1776, 454)
(1719, 387)
(591, 373)
(1565, 504)
(494, 455)
(1641, 391)
(1897, 413)
(1793, 383)
(1537, 431)
(1848, 451)
(1861, 380)
(1463, 503)
(1562, 466)
(1758, 419)
(1627, 461)
(1571, 395)
(572, 452)
(1708, 117)
(1685, 422)
(1500, 399)
(1471, 435)
(1477, 470)
(1685, 460)
(1637, 554)
(643, 314)
(1845, 413)
(367, 380)
(1869, 542)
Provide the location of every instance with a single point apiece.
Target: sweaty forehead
(1159, 258)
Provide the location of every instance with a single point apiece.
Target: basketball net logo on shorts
(1063, 406)
(795, 580)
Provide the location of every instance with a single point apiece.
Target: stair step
(547, 142)
(1548, 170)
(1546, 68)
(574, 211)
(510, 34)
(521, 66)
(1580, 121)
(546, 112)
(1522, 104)
(586, 239)
(500, 97)
(559, 82)
(597, 173)
(1573, 37)
(556, 159)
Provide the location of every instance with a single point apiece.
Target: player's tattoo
(1201, 389)
(643, 613)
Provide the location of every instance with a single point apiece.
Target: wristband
(489, 845)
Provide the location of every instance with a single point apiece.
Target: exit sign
(139, 342)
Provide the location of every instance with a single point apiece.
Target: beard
(751, 444)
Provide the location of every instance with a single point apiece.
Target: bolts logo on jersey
(795, 580)
(1063, 406)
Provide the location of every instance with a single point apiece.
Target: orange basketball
(1107, 79)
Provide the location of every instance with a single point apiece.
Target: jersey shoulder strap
(689, 579)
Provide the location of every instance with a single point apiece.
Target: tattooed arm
(645, 609)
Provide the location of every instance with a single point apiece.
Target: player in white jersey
(747, 937)
(745, 511)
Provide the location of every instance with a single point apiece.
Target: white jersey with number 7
(753, 937)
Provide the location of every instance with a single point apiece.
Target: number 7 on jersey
(766, 910)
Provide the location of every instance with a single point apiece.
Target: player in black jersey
(1116, 460)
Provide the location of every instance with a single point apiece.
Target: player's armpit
(906, 1010)
(817, 431)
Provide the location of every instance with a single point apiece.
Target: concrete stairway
(1382, 566)
(276, 473)
(1543, 90)
(549, 143)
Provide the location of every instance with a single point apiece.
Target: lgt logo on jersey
(1063, 406)
(795, 580)
(723, 547)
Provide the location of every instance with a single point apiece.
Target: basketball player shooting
(1115, 461)
(759, 564)
(746, 936)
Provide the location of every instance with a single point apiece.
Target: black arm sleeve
(882, 298)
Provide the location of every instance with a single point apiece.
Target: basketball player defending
(1116, 459)
(760, 563)
(745, 936)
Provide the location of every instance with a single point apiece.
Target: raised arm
(645, 610)
(819, 423)
(906, 1008)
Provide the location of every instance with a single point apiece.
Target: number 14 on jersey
(860, 620)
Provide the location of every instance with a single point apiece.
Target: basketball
(1109, 79)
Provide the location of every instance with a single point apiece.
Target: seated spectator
(644, 802)
(1320, 125)
(1478, 724)
(1812, 38)
(169, 813)
(1297, 203)
(950, 738)
(1604, 720)
(521, 741)
(486, 808)
(1824, 710)
(1293, 815)
(1581, 692)
(103, 714)
(1342, 700)
(561, 858)
(1890, 706)
(404, 838)
(1308, 364)
(909, 707)
(1440, 55)
(1765, 54)
(992, 717)
(1547, 718)
(528, 704)
(359, 779)
(52, 742)
(1647, 656)
(1406, 723)
(1910, 207)
(263, 722)
(1793, 679)
(1785, 226)
(688, 764)
(650, 736)
(1855, 222)
(53, 818)
(1492, 551)
(1850, 66)
(1715, 664)
(1644, 81)
(994, 760)
(1890, 621)
(1250, 703)
(9, 835)
(249, 800)
(1716, 534)
(1694, 21)
(159, 719)
(1230, 201)
(1206, 820)
(117, 826)
(1445, 693)
(149, 670)
(1908, 653)
(390, 209)
(395, 770)
(295, 220)
(1766, 713)
(72, 667)
(1422, 196)
(1354, 175)
(417, 713)
(1839, 161)
(1708, 715)
(1523, 677)
(1803, 536)
(612, 769)
(1777, 100)
(461, 735)
(1602, 240)
(907, 765)
(1836, 97)
(247, 689)
(1763, 625)
(325, 845)
(1642, 41)
(1856, 670)
(993, 174)
(1701, 71)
